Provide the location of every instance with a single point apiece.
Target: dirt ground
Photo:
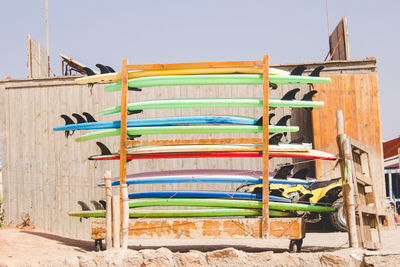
(25, 247)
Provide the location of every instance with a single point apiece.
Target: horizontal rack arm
(193, 65)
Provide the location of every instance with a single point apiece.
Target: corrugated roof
(391, 148)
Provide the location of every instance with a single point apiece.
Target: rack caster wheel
(295, 245)
(98, 244)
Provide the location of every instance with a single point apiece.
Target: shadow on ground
(81, 245)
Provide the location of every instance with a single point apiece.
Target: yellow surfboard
(116, 77)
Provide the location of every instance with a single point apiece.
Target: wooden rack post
(108, 189)
(122, 167)
(265, 195)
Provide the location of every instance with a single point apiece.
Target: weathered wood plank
(196, 65)
(288, 228)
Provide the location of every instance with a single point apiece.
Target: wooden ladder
(357, 190)
(364, 195)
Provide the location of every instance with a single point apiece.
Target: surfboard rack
(213, 227)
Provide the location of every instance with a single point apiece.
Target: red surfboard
(312, 154)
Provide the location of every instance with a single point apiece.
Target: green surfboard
(216, 79)
(231, 203)
(136, 213)
(212, 103)
(203, 129)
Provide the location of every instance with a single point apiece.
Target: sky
(98, 31)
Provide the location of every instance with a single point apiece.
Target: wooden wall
(357, 96)
(45, 174)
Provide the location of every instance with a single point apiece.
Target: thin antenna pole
(327, 18)
(47, 38)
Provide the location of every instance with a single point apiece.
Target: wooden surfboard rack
(228, 227)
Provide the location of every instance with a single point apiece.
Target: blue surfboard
(206, 176)
(212, 179)
(204, 194)
(159, 122)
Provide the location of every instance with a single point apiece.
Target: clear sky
(98, 31)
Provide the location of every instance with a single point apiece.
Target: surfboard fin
(309, 96)
(301, 174)
(132, 137)
(102, 68)
(134, 89)
(83, 205)
(89, 71)
(103, 203)
(273, 86)
(291, 95)
(275, 139)
(299, 140)
(103, 148)
(110, 69)
(131, 112)
(97, 205)
(271, 115)
(298, 70)
(316, 71)
(68, 120)
(260, 121)
(284, 172)
(78, 118)
(283, 120)
(89, 117)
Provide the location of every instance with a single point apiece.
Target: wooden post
(108, 189)
(125, 218)
(347, 181)
(265, 195)
(124, 89)
(123, 137)
(116, 220)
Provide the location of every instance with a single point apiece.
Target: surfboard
(116, 76)
(222, 203)
(312, 154)
(204, 129)
(227, 203)
(240, 120)
(216, 148)
(137, 213)
(216, 79)
(211, 103)
(204, 194)
(205, 176)
(225, 180)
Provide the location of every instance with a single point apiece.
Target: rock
(226, 257)
(378, 261)
(161, 257)
(192, 258)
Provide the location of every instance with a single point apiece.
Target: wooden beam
(124, 214)
(221, 141)
(265, 210)
(124, 89)
(108, 189)
(287, 228)
(194, 65)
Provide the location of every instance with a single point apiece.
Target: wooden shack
(45, 174)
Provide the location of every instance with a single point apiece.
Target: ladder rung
(367, 209)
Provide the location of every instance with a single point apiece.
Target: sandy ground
(17, 246)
